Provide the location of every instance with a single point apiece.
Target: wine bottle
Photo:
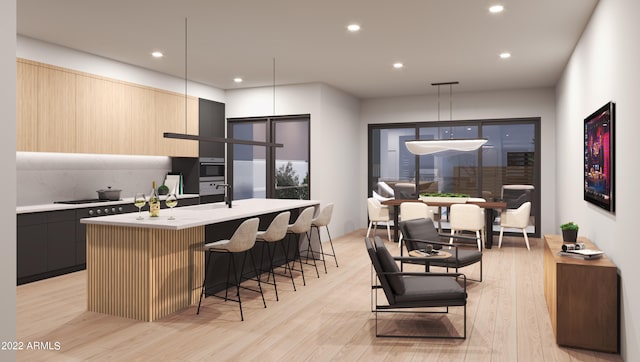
(154, 202)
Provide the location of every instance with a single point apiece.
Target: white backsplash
(43, 178)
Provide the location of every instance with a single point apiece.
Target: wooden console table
(582, 298)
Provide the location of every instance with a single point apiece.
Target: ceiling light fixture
(237, 80)
(505, 55)
(496, 9)
(157, 54)
(353, 27)
(186, 136)
(427, 147)
(398, 65)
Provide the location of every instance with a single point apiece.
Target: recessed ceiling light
(398, 65)
(353, 27)
(496, 9)
(505, 55)
(237, 80)
(157, 54)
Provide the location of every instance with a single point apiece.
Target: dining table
(489, 216)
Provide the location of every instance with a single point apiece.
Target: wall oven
(212, 170)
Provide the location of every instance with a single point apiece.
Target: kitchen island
(147, 269)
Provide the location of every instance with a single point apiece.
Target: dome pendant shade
(427, 147)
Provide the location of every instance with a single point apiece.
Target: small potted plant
(163, 190)
(569, 232)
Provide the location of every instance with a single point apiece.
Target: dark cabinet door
(61, 244)
(61, 239)
(211, 120)
(31, 249)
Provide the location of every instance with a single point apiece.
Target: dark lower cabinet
(53, 243)
(61, 240)
(46, 244)
(31, 245)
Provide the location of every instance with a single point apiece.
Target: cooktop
(87, 201)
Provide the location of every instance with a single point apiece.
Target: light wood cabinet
(26, 107)
(56, 110)
(142, 125)
(170, 117)
(582, 298)
(61, 110)
(104, 113)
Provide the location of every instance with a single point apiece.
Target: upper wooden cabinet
(104, 113)
(170, 117)
(46, 99)
(26, 107)
(61, 110)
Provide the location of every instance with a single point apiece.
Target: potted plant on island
(569, 232)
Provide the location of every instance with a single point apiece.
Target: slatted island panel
(148, 269)
(141, 273)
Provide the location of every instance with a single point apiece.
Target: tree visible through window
(288, 184)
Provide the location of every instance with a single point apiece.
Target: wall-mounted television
(599, 157)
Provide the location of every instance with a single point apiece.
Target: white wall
(335, 141)
(604, 67)
(478, 105)
(48, 53)
(7, 159)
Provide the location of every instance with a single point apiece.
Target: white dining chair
(377, 213)
(516, 218)
(467, 217)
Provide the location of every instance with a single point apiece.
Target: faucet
(228, 194)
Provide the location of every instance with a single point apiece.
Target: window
(275, 172)
(506, 167)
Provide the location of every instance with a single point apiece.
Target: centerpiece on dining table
(451, 197)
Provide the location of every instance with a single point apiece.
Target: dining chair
(467, 217)
(516, 218)
(378, 213)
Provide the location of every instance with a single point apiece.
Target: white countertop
(204, 214)
(58, 207)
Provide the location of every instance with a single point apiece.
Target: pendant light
(186, 136)
(427, 147)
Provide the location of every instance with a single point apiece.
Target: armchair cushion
(389, 266)
(465, 257)
(436, 289)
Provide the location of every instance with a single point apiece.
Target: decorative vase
(569, 236)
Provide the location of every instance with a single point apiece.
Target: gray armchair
(405, 290)
(419, 233)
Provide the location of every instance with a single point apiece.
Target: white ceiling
(437, 40)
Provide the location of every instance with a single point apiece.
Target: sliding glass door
(505, 168)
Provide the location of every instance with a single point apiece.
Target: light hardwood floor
(328, 319)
